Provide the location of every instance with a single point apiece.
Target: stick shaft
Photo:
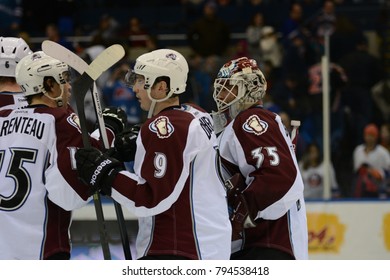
(81, 86)
(294, 133)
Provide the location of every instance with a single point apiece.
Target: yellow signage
(386, 230)
(326, 233)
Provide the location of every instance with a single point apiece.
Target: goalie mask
(12, 50)
(32, 69)
(160, 63)
(239, 84)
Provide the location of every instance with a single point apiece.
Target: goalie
(266, 203)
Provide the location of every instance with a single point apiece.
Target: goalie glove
(238, 207)
(126, 143)
(97, 170)
(115, 119)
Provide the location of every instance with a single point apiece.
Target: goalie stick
(89, 75)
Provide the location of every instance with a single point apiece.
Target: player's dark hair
(46, 84)
(4, 79)
(29, 98)
(168, 81)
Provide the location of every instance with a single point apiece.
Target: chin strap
(154, 101)
(58, 99)
(151, 109)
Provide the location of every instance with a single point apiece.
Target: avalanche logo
(162, 127)
(171, 56)
(254, 125)
(73, 120)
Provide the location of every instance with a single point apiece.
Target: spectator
(312, 169)
(338, 80)
(324, 23)
(363, 71)
(270, 47)
(108, 29)
(200, 81)
(117, 94)
(293, 23)
(53, 34)
(253, 35)
(135, 34)
(290, 94)
(241, 49)
(298, 55)
(385, 136)
(209, 35)
(343, 39)
(371, 166)
(381, 96)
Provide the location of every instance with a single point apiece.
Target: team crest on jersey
(255, 125)
(162, 127)
(73, 119)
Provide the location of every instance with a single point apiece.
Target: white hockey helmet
(32, 69)
(12, 50)
(161, 63)
(244, 74)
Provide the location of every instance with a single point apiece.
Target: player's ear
(48, 83)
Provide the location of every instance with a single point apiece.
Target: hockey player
(267, 209)
(175, 190)
(12, 50)
(39, 185)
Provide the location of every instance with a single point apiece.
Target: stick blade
(105, 60)
(295, 123)
(65, 55)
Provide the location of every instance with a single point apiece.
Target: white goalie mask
(12, 50)
(32, 69)
(160, 63)
(239, 84)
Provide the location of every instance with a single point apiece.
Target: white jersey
(175, 190)
(378, 158)
(37, 179)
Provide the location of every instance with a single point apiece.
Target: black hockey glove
(126, 143)
(115, 119)
(96, 169)
(238, 208)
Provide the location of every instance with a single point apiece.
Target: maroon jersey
(175, 190)
(11, 100)
(257, 145)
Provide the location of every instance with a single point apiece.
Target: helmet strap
(151, 109)
(154, 101)
(58, 99)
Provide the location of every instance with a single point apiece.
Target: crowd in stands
(287, 38)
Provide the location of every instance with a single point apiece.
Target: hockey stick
(90, 73)
(63, 54)
(295, 124)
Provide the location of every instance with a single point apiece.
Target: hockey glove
(97, 169)
(126, 143)
(238, 208)
(115, 119)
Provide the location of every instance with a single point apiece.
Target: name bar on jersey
(25, 125)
